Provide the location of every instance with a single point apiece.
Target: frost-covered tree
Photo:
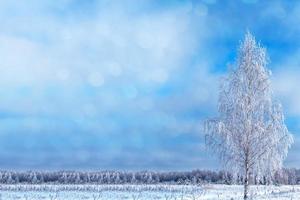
(9, 179)
(117, 179)
(64, 178)
(133, 178)
(249, 135)
(34, 179)
(77, 178)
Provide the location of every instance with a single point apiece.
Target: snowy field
(146, 192)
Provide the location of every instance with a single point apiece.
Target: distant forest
(286, 176)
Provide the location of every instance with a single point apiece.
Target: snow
(145, 192)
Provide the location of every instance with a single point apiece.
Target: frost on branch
(249, 135)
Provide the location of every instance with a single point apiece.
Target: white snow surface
(145, 192)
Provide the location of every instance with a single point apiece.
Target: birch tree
(249, 135)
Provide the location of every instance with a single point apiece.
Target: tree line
(284, 176)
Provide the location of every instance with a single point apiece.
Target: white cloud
(106, 49)
(95, 79)
(286, 81)
(63, 74)
(141, 45)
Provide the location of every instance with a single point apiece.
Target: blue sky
(125, 84)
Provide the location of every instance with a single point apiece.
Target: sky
(126, 84)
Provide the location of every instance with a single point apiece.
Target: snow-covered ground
(146, 192)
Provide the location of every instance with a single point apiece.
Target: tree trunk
(246, 182)
(246, 188)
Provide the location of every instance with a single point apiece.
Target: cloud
(99, 71)
(108, 47)
(286, 83)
